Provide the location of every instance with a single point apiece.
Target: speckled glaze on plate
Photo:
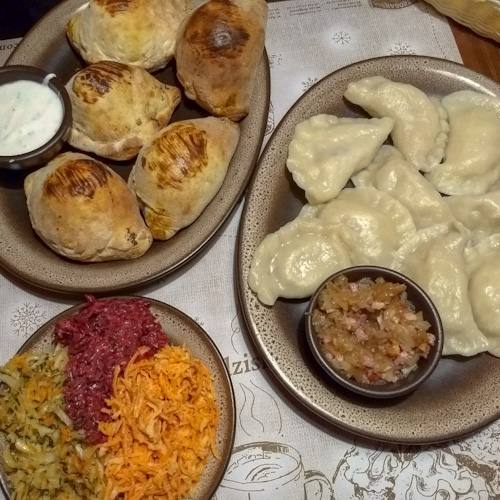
(24, 255)
(463, 394)
(181, 330)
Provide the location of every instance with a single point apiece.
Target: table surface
(478, 53)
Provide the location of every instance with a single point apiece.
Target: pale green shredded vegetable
(44, 457)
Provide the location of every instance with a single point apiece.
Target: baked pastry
(117, 108)
(85, 211)
(218, 49)
(180, 171)
(139, 32)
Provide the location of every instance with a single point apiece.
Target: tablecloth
(310, 459)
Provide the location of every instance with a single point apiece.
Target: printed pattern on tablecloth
(307, 40)
(281, 451)
(7, 47)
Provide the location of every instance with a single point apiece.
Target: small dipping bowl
(420, 301)
(45, 152)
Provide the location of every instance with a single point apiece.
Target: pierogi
(219, 45)
(420, 128)
(326, 150)
(362, 225)
(138, 32)
(396, 215)
(472, 159)
(180, 170)
(389, 172)
(435, 260)
(371, 224)
(117, 108)
(479, 213)
(85, 211)
(483, 267)
(293, 261)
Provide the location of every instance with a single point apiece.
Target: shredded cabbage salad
(43, 456)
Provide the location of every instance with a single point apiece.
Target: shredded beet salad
(104, 334)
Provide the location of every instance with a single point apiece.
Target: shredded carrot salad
(163, 427)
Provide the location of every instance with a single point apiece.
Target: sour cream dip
(30, 115)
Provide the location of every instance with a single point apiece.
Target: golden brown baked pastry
(85, 211)
(117, 108)
(177, 175)
(218, 49)
(139, 32)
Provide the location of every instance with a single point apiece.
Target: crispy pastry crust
(139, 32)
(181, 170)
(117, 108)
(83, 210)
(218, 49)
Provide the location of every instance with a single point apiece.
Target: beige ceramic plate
(463, 394)
(25, 255)
(181, 330)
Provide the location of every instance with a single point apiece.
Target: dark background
(18, 16)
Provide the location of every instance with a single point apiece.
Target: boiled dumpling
(479, 213)
(483, 266)
(293, 261)
(367, 176)
(420, 128)
(472, 159)
(371, 224)
(434, 259)
(389, 172)
(325, 151)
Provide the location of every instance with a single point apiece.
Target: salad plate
(180, 330)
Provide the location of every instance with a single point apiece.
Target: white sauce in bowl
(30, 115)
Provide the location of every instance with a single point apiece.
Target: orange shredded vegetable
(163, 427)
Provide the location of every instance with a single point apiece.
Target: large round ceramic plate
(181, 330)
(463, 394)
(25, 255)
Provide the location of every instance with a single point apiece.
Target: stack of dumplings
(77, 204)
(425, 202)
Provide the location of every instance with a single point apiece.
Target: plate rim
(228, 200)
(196, 327)
(242, 272)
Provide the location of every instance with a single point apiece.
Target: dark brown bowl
(420, 300)
(46, 152)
